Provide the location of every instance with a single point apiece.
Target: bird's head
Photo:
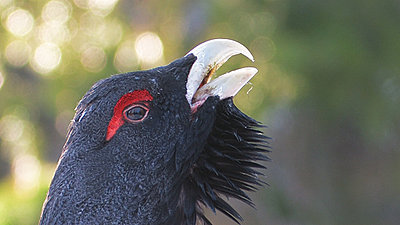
(145, 113)
(136, 115)
(163, 140)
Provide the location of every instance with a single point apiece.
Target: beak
(211, 55)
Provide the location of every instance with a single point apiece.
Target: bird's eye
(136, 113)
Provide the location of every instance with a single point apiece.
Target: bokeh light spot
(102, 4)
(54, 32)
(4, 3)
(11, 128)
(17, 53)
(149, 48)
(99, 31)
(56, 11)
(46, 58)
(102, 7)
(26, 172)
(264, 49)
(89, 23)
(20, 22)
(125, 59)
(93, 59)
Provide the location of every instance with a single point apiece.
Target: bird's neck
(93, 188)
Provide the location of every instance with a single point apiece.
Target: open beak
(211, 55)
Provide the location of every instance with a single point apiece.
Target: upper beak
(211, 55)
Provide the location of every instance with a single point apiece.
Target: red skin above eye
(128, 99)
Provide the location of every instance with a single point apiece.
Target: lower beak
(211, 55)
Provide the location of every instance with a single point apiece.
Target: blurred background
(328, 88)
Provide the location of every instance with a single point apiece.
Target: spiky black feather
(227, 166)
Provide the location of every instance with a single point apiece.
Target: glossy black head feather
(159, 171)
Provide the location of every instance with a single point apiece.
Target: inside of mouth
(206, 79)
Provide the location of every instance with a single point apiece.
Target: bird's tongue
(210, 56)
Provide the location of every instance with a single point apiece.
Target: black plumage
(226, 166)
(162, 170)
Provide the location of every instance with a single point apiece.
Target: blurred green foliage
(328, 88)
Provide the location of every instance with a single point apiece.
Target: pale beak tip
(210, 56)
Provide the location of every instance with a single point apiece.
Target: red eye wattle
(135, 113)
(130, 108)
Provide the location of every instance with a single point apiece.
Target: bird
(159, 146)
